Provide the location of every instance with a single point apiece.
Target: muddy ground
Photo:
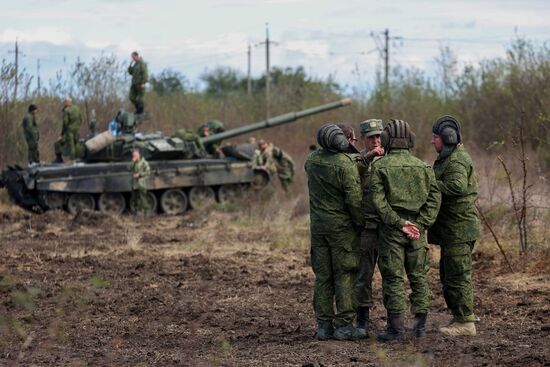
(218, 289)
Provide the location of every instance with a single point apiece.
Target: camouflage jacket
(30, 129)
(334, 192)
(404, 188)
(139, 74)
(364, 164)
(283, 163)
(140, 167)
(267, 159)
(458, 219)
(72, 119)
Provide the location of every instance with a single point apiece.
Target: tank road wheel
(201, 197)
(111, 203)
(152, 199)
(80, 202)
(260, 180)
(52, 200)
(229, 193)
(173, 201)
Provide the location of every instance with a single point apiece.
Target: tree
(223, 81)
(168, 82)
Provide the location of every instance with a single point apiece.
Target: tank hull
(31, 187)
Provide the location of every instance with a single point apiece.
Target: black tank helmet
(330, 137)
(448, 128)
(397, 134)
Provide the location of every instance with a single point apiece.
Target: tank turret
(185, 144)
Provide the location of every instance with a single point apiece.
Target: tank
(183, 175)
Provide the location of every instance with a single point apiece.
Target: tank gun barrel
(275, 121)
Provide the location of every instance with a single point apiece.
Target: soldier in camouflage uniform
(285, 167)
(138, 71)
(457, 226)
(212, 127)
(370, 139)
(336, 220)
(277, 162)
(30, 130)
(140, 171)
(68, 142)
(406, 197)
(266, 157)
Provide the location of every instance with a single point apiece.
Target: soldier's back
(406, 180)
(329, 177)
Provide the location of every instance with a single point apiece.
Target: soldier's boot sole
(459, 329)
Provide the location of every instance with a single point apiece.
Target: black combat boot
(363, 320)
(324, 331)
(395, 329)
(420, 325)
(58, 158)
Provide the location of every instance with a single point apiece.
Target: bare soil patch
(104, 291)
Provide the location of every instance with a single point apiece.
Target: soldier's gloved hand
(411, 230)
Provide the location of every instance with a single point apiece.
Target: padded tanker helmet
(397, 134)
(330, 137)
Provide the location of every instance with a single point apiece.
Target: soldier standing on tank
(335, 222)
(405, 194)
(457, 226)
(68, 142)
(140, 171)
(373, 150)
(138, 71)
(30, 130)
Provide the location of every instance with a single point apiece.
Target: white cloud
(127, 46)
(53, 35)
(309, 48)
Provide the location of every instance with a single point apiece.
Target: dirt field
(221, 289)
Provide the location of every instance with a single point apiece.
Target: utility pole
(267, 43)
(386, 59)
(16, 52)
(249, 80)
(38, 75)
(383, 47)
(267, 72)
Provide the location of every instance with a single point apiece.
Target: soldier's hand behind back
(411, 230)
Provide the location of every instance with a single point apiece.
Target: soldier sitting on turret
(212, 127)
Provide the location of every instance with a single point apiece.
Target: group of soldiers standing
(67, 143)
(382, 206)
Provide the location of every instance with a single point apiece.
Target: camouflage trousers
(367, 264)
(137, 97)
(33, 152)
(139, 201)
(285, 183)
(335, 260)
(68, 145)
(455, 271)
(399, 256)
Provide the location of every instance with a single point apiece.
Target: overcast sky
(326, 37)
